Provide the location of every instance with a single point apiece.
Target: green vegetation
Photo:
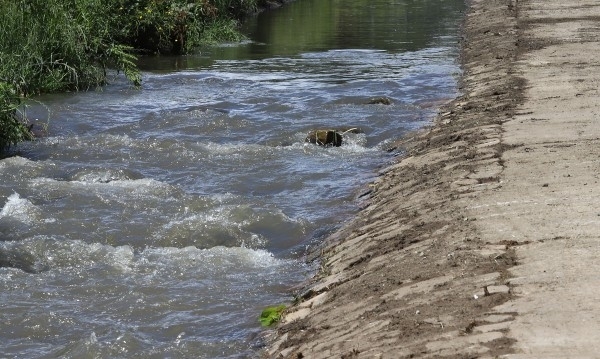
(271, 315)
(178, 27)
(68, 45)
(12, 129)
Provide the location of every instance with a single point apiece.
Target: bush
(12, 129)
(179, 27)
(56, 45)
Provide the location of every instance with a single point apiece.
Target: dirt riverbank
(482, 240)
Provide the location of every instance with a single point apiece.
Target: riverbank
(481, 241)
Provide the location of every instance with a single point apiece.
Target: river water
(159, 222)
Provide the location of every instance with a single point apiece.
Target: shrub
(12, 129)
(57, 45)
(179, 27)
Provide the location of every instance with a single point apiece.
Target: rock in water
(327, 138)
(380, 101)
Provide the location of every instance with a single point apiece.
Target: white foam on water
(16, 170)
(16, 161)
(216, 259)
(116, 140)
(217, 218)
(118, 187)
(144, 185)
(235, 149)
(103, 141)
(105, 175)
(43, 253)
(19, 208)
(40, 253)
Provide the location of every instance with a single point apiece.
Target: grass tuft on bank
(56, 45)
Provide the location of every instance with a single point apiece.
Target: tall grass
(68, 45)
(50, 46)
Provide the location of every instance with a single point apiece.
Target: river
(159, 222)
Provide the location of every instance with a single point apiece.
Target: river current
(158, 223)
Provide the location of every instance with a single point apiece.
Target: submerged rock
(380, 101)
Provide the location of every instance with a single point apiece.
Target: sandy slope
(483, 240)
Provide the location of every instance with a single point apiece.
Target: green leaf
(271, 315)
(125, 61)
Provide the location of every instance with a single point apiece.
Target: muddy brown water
(159, 222)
